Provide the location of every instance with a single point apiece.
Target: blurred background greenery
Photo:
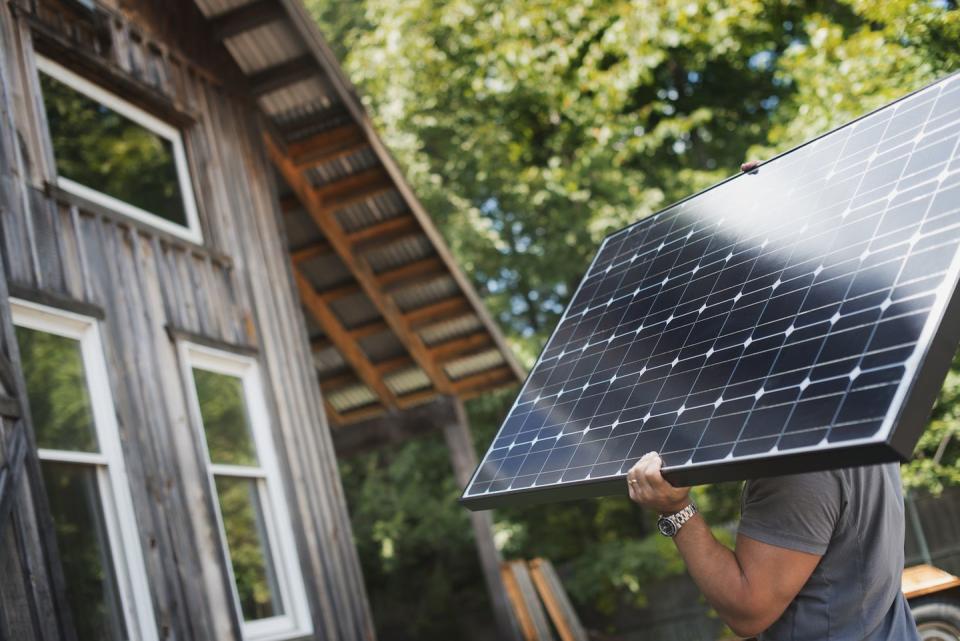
(532, 128)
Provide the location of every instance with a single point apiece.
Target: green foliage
(531, 129)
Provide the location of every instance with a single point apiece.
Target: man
(818, 556)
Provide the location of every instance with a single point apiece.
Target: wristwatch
(670, 524)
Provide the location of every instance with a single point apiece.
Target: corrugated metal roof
(326, 102)
(351, 397)
(382, 346)
(447, 330)
(399, 252)
(298, 100)
(264, 47)
(328, 360)
(378, 209)
(474, 363)
(406, 381)
(354, 310)
(326, 271)
(216, 7)
(426, 292)
(301, 230)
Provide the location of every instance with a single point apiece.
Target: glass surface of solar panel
(781, 321)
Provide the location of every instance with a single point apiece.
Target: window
(229, 410)
(83, 473)
(116, 155)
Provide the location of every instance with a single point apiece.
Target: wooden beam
(354, 182)
(463, 459)
(340, 291)
(418, 397)
(377, 326)
(395, 278)
(245, 18)
(489, 378)
(388, 228)
(391, 429)
(342, 340)
(558, 605)
(311, 251)
(339, 381)
(360, 196)
(393, 364)
(449, 350)
(439, 311)
(361, 413)
(327, 145)
(283, 75)
(361, 270)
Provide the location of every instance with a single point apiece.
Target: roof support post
(463, 457)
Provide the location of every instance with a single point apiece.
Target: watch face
(667, 528)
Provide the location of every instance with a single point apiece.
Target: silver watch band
(684, 515)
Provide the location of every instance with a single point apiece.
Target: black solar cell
(795, 318)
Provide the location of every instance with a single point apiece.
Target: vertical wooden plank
(526, 604)
(555, 598)
(463, 457)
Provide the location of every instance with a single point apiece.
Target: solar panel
(798, 317)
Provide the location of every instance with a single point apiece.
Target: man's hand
(649, 489)
(750, 586)
(749, 166)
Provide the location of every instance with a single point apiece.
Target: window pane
(225, 420)
(77, 511)
(100, 149)
(247, 539)
(57, 391)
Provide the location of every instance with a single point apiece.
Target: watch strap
(681, 517)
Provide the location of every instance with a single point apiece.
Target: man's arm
(749, 587)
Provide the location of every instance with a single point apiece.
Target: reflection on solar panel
(796, 318)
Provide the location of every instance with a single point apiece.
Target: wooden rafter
(342, 340)
(283, 75)
(246, 18)
(361, 270)
(328, 145)
(441, 310)
(388, 229)
(320, 248)
(485, 378)
(449, 350)
(395, 278)
(359, 182)
(377, 326)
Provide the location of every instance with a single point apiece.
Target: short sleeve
(798, 512)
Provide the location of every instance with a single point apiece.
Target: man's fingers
(750, 165)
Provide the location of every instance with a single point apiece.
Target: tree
(532, 129)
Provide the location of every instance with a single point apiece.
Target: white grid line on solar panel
(941, 181)
(851, 223)
(618, 465)
(752, 382)
(801, 385)
(941, 178)
(874, 265)
(888, 196)
(898, 286)
(916, 101)
(901, 270)
(830, 330)
(762, 301)
(797, 184)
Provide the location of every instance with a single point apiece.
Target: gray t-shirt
(854, 518)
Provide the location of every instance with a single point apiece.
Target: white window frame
(192, 231)
(118, 513)
(295, 621)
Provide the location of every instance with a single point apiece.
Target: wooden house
(213, 274)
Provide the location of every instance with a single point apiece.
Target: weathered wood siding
(151, 289)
